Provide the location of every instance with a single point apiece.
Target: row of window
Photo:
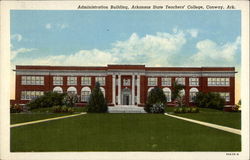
(152, 81)
(28, 95)
(32, 80)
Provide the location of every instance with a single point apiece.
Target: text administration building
(123, 84)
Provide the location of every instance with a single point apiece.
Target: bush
(156, 97)
(62, 109)
(209, 100)
(49, 99)
(70, 100)
(186, 110)
(97, 102)
(16, 108)
(157, 108)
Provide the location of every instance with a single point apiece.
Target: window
(218, 82)
(71, 90)
(101, 80)
(193, 81)
(32, 80)
(166, 81)
(150, 89)
(225, 95)
(29, 95)
(71, 80)
(167, 93)
(192, 94)
(58, 90)
(180, 81)
(152, 81)
(126, 82)
(85, 94)
(86, 81)
(57, 80)
(103, 91)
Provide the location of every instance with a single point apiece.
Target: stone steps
(126, 109)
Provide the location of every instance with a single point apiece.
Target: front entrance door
(125, 99)
(126, 96)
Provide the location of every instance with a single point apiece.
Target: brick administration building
(123, 84)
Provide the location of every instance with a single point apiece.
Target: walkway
(126, 109)
(45, 120)
(227, 129)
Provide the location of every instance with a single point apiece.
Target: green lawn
(121, 132)
(26, 117)
(229, 119)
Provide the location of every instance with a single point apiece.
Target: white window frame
(180, 80)
(29, 95)
(57, 80)
(85, 94)
(225, 95)
(152, 81)
(86, 81)
(32, 80)
(101, 80)
(71, 80)
(193, 81)
(167, 92)
(192, 93)
(218, 81)
(166, 81)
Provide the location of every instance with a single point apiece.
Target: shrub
(186, 110)
(97, 102)
(70, 100)
(49, 99)
(157, 108)
(209, 100)
(156, 96)
(62, 109)
(16, 108)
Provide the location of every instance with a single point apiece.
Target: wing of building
(123, 84)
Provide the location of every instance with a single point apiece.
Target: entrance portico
(123, 89)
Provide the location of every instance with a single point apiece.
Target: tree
(155, 101)
(97, 102)
(49, 99)
(209, 100)
(176, 95)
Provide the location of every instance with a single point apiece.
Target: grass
(229, 119)
(26, 117)
(121, 132)
(49, 110)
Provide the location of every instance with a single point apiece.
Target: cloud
(48, 26)
(16, 37)
(193, 32)
(56, 26)
(153, 50)
(14, 53)
(211, 53)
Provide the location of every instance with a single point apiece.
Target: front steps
(126, 109)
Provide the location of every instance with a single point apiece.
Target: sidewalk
(227, 129)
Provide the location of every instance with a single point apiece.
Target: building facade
(123, 84)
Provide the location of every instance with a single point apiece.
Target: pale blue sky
(44, 34)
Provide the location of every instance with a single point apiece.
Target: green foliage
(97, 102)
(62, 109)
(70, 100)
(157, 108)
(186, 110)
(16, 108)
(49, 99)
(209, 100)
(156, 96)
(176, 94)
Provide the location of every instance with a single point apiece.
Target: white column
(119, 89)
(138, 89)
(133, 89)
(113, 89)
